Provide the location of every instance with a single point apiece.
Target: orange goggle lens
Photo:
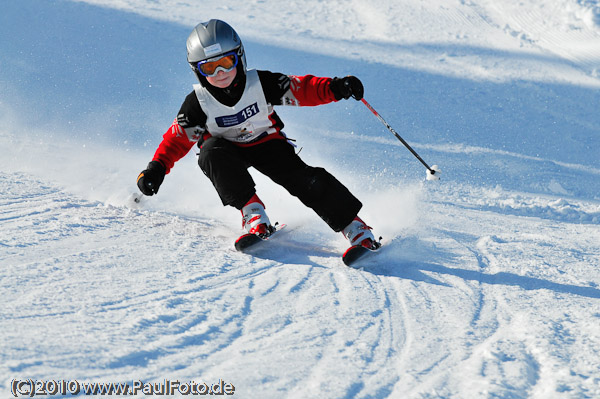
(210, 68)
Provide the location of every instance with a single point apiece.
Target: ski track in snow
(487, 285)
(191, 306)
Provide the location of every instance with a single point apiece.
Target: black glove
(347, 87)
(151, 178)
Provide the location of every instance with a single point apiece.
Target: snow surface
(488, 283)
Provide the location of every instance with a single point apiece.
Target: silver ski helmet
(213, 39)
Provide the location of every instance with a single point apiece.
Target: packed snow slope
(488, 282)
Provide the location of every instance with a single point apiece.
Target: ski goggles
(226, 63)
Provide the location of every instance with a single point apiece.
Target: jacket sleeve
(174, 146)
(307, 90)
(187, 129)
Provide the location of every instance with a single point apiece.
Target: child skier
(231, 118)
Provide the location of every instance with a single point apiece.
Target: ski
(357, 252)
(247, 241)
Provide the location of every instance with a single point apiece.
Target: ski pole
(431, 175)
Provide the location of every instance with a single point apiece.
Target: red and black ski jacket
(189, 127)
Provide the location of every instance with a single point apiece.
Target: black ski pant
(226, 165)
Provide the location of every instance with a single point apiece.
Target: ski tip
(353, 253)
(356, 252)
(246, 241)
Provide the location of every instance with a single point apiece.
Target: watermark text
(31, 388)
